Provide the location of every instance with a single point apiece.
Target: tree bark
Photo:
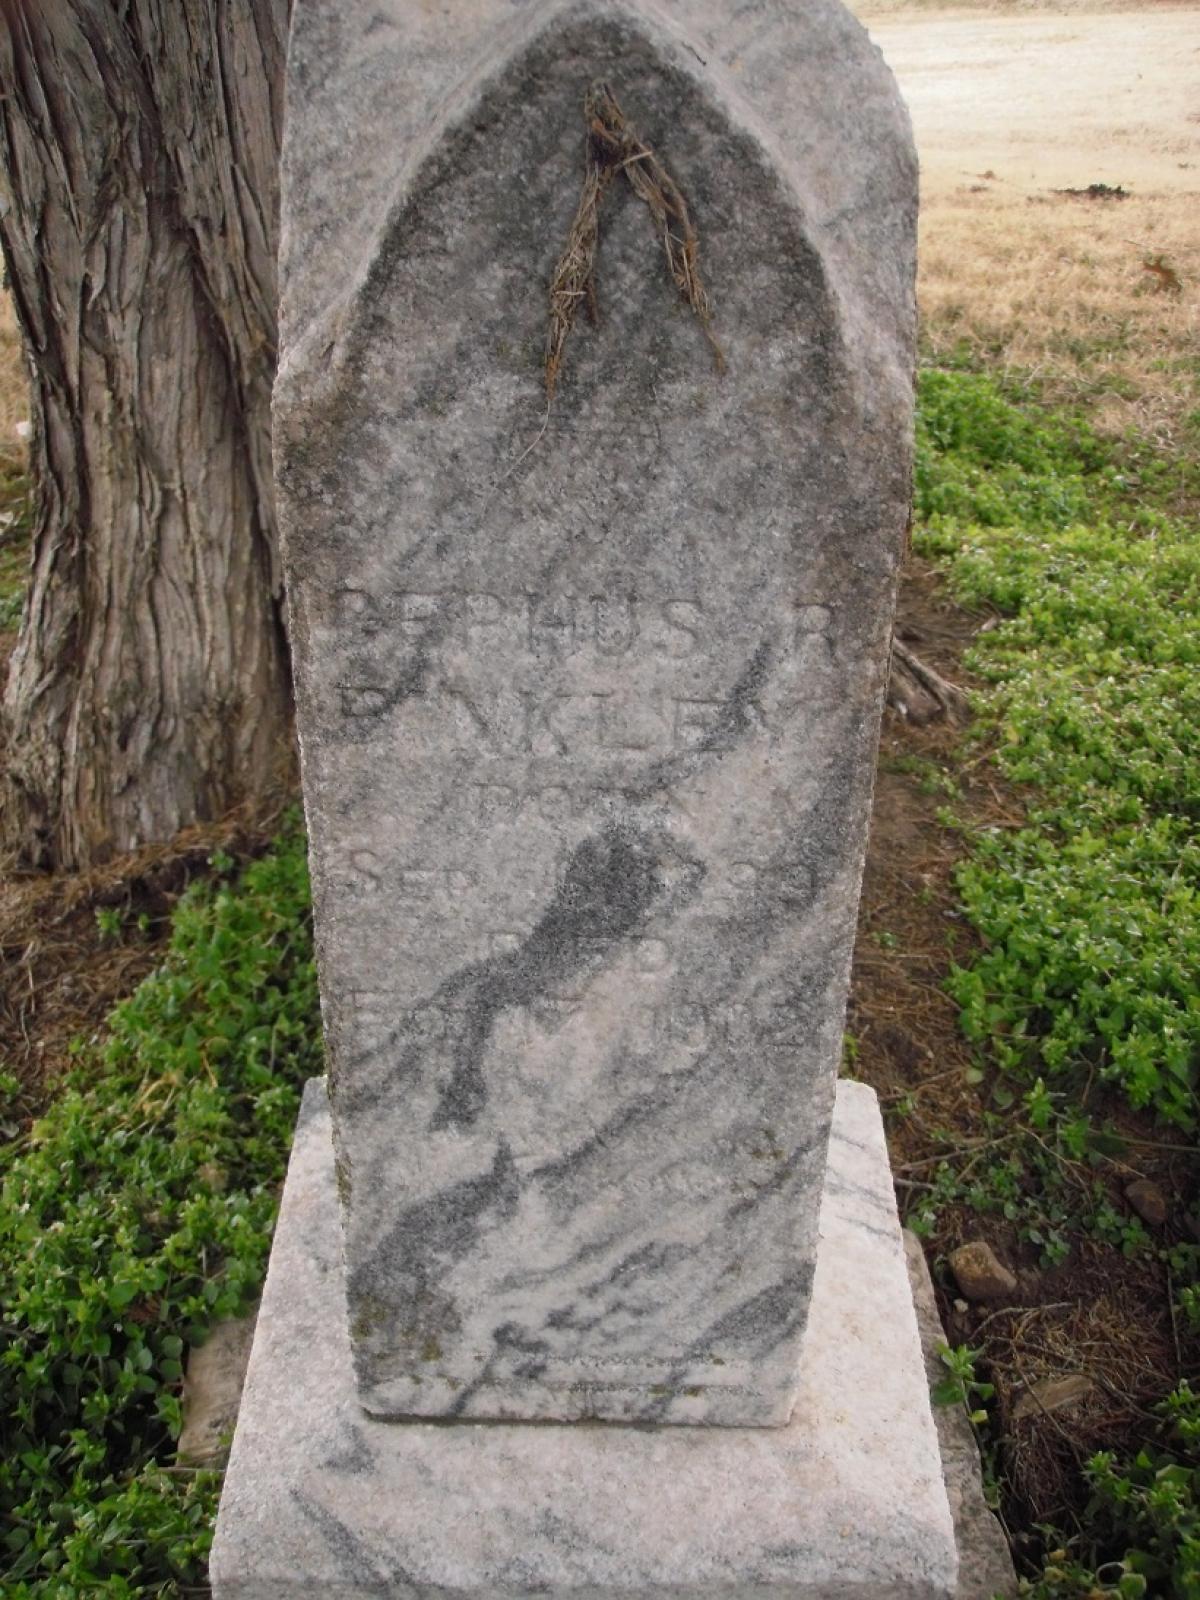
(139, 143)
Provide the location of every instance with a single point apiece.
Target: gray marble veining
(845, 1503)
(588, 697)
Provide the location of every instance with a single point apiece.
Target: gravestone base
(846, 1500)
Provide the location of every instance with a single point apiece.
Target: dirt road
(1047, 101)
(1099, 298)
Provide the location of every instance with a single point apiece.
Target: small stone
(980, 1274)
(1052, 1394)
(212, 1391)
(1148, 1200)
(962, 1307)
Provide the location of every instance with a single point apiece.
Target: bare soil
(72, 945)
(1101, 1318)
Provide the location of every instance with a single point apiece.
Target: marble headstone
(588, 693)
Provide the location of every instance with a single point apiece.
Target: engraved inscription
(410, 659)
(673, 1034)
(647, 955)
(814, 642)
(557, 624)
(409, 884)
(363, 870)
(524, 722)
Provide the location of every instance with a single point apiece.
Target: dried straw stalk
(612, 148)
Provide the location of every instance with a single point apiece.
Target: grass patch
(1091, 913)
(14, 544)
(1042, 282)
(139, 1210)
(15, 508)
(1084, 999)
(137, 1213)
(14, 390)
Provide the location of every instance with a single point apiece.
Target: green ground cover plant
(138, 1211)
(135, 1214)
(14, 544)
(1088, 975)
(1090, 913)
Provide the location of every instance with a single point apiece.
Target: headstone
(588, 689)
(591, 627)
(846, 1502)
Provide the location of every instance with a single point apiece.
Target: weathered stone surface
(1148, 1200)
(588, 700)
(845, 1503)
(212, 1391)
(980, 1273)
(985, 1566)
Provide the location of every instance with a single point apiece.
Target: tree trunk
(149, 688)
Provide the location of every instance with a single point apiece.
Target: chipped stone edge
(985, 1567)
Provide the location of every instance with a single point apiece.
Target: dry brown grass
(14, 391)
(1038, 96)
(1060, 287)
(1012, 104)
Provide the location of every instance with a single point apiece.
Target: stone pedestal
(846, 1500)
